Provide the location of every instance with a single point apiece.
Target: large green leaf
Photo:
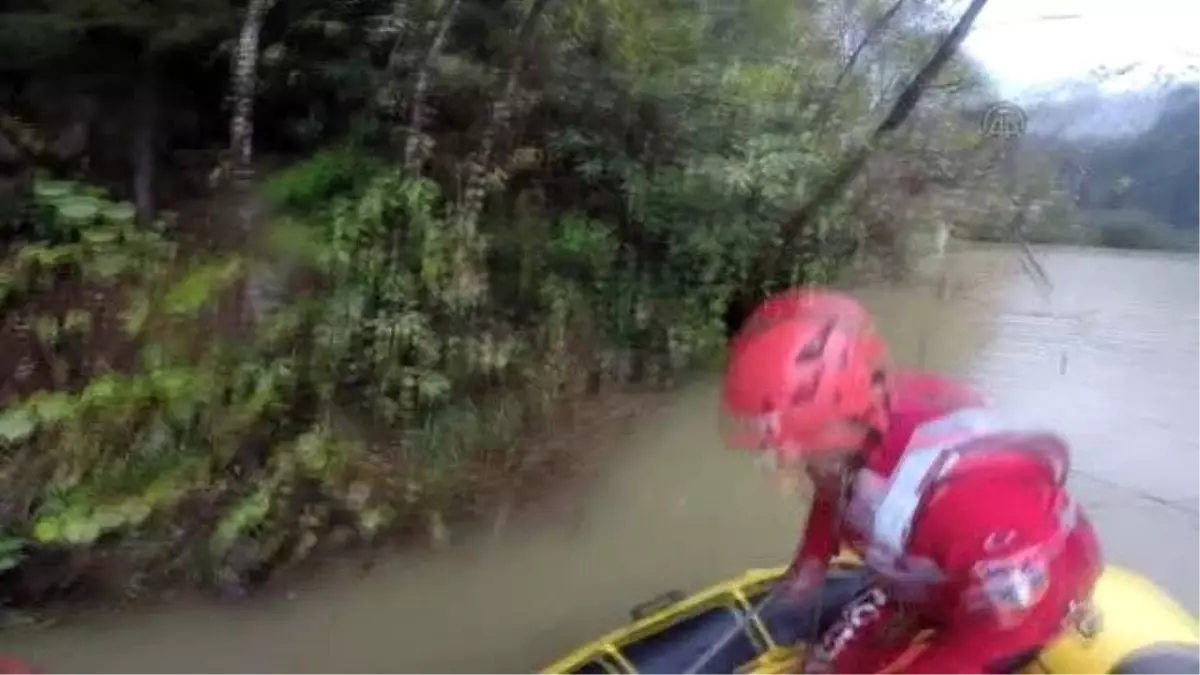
(78, 208)
(16, 424)
(121, 212)
(53, 189)
(11, 552)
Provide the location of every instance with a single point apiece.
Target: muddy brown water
(1109, 358)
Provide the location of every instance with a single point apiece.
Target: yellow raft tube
(1133, 628)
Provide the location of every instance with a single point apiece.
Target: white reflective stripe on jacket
(884, 511)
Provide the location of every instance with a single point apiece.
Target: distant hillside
(1080, 113)
(1131, 151)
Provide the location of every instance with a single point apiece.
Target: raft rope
(742, 625)
(818, 605)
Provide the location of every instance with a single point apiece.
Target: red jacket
(969, 526)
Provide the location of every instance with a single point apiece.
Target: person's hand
(803, 581)
(9, 664)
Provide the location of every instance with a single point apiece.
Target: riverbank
(357, 347)
(661, 505)
(185, 432)
(665, 506)
(285, 497)
(568, 455)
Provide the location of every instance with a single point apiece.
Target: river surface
(1108, 357)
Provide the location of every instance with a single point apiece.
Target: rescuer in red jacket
(13, 665)
(964, 524)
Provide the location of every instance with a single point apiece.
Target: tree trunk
(145, 140)
(469, 285)
(245, 80)
(416, 150)
(397, 20)
(16, 177)
(258, 292)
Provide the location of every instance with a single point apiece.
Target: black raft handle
(657, 604)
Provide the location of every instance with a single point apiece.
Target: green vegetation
(490, 210)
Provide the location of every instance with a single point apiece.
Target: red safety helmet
(807, 377)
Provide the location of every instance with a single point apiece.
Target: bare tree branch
(850, 167)
(414, 152)
(468, 269)
(877, 27)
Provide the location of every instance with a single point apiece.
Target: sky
(1024, 49)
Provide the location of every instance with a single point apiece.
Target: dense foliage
(482, 212)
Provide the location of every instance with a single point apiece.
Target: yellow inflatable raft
(1133, 628)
